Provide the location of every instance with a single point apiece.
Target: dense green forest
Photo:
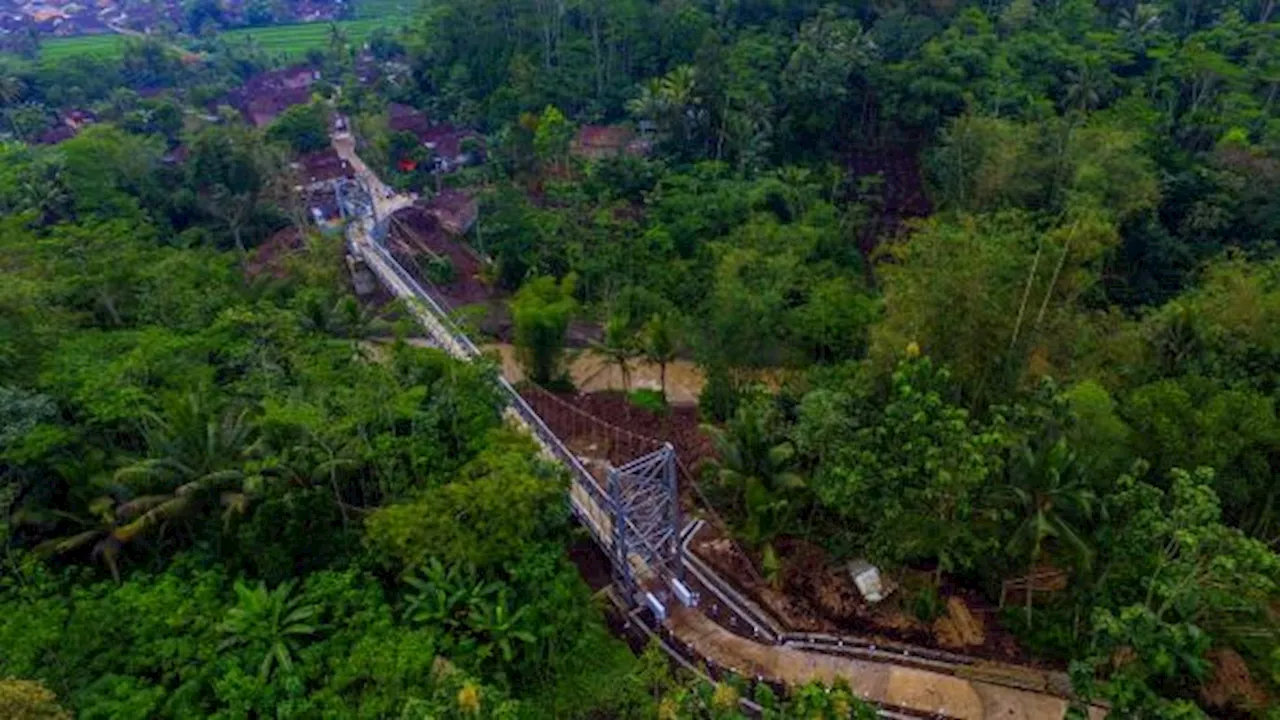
(977, 289)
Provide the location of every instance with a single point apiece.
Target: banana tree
(272, 622)
(502, 628)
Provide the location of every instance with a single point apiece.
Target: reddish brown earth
(269, 257)
(416, 235)
(632, 428)
(814, 596)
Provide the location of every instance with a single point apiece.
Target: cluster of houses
(264, 96)
(451, 147)
(66, 125)
(64, 18)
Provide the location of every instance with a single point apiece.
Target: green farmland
(387, 9)
(296, 40)
(288, 40)
(101, 45)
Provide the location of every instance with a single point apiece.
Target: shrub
(651, 400)
(439, 270)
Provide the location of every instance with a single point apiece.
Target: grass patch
(652, 400)
(109, 45)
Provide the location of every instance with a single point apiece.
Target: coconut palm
(680, 95)
(1047, 495)
(42, 187)
(12, 89)
(650, 104)
(97, 528)
(618, 347)
(660, 345)
(1138, 22)
(269, 622)
(197, 462)
(758, 467)
(1087, 85)
(679, 87)
(337, 38)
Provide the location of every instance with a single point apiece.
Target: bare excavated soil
(814, 596)
(679, 425)
(416, 236)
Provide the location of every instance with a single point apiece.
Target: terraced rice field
(109, 45)
(385, 9)
(289, 40)
(296, 40)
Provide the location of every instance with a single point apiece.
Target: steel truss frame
(646, 517)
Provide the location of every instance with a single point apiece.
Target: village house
(264, 96)
(451, 147)
(594, 142)
(69, 124)
(63, 18)
(403, 118)
(318, 175)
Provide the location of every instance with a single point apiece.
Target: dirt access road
(908, 688)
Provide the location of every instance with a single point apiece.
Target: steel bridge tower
(645, 503)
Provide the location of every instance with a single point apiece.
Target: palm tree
(42, 188)
(679, 93)
(98, 528)
(197, 461)
(1138, 22)
(337, 38)
(270, 622)
(679, 86)
(752, 461)
(12, 88)
(618, 347)
(27, 120)
(650, 104)
(1086, 85)
(661, 345)
(1047, 495)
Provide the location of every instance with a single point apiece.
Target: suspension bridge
(629, 502)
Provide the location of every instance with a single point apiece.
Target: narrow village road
(385, 199)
